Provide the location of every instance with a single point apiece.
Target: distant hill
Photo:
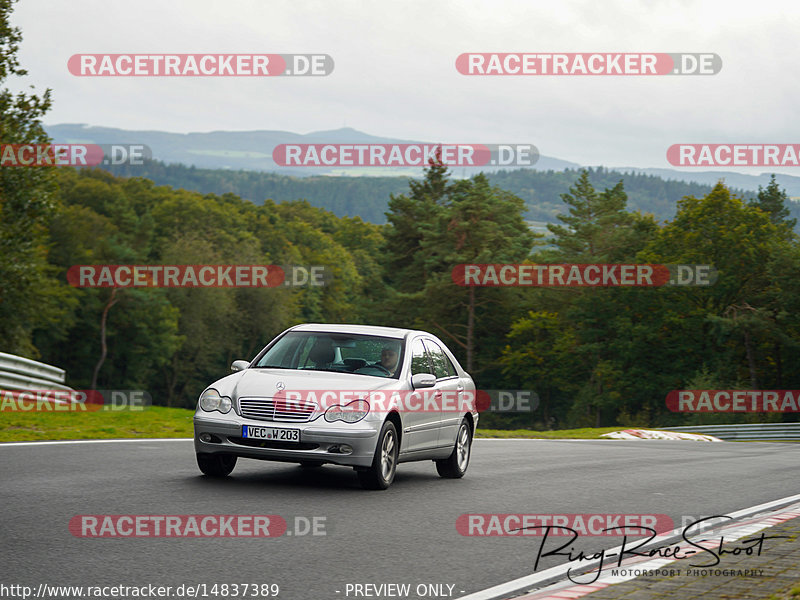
(368, 197)
(252, 150)
(240, 162)
(790, 183)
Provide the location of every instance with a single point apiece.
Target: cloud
(395, 73)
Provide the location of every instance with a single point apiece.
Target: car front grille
(277, 409)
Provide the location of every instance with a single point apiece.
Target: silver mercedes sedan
(360, 396)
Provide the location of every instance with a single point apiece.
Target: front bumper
(318, 440)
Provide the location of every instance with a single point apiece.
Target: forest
(595, 356)
(368, 197)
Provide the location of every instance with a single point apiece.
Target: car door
(420, 423)
(448, 383)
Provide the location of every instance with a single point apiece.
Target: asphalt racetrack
(406, 534)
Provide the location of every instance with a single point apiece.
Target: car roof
(393, 332)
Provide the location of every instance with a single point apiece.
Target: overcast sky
(395, 70)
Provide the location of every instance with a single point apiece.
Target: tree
(412, 218)
(539, 357)
(772, 201)
(732, 316)
(478, 224)
(26, 203)
(594, 228)
(441, 225)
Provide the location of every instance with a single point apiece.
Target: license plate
(270, 433)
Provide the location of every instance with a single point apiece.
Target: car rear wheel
(380, 474)
(455, 465)
(216, 465)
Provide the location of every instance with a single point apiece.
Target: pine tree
(772, 200)
(594, 223)
(411, 218)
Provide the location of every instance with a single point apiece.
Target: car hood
(265, 382)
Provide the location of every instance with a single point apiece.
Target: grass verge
(163, 422)
(587, 433)
(152, 422)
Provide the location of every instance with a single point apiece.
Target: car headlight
(350, 413)
(210, 400)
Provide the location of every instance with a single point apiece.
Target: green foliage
(369, 197)
(442, 224)
(595, 356)
(26, 204)
(774, 201)
(172, 342)
(625, 349)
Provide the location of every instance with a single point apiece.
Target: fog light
(345, 449)
(205, 437)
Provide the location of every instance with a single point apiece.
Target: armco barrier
(18, 373)
(747, 432)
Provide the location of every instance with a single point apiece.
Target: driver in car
(388, 360)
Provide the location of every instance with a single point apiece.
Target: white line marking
(534, 579)
(554, 440)
(123, 441)
(138, 440)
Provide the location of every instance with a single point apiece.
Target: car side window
(442, 367)
(419, 358)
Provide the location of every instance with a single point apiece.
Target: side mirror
(423, 380)
(239, 365)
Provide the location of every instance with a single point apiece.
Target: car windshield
(340, 353)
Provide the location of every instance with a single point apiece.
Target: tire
(380, 474)
(216, 465)
(455, 465)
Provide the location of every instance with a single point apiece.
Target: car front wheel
(455, 465)
(216, 465)
(380, 474)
